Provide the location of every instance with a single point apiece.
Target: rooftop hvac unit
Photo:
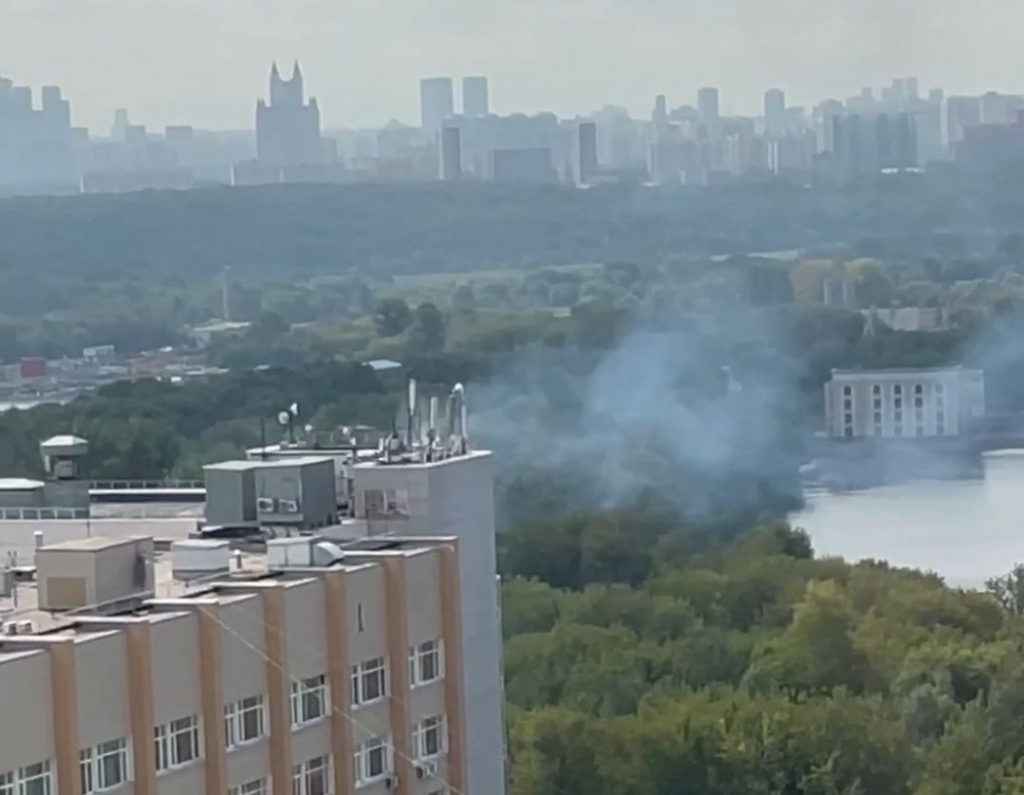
(10, 627)
(288, 506)
(26, 628)
(265, 504)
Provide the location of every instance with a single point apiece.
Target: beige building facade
(328, 680)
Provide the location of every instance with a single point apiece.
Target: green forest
(640, 664)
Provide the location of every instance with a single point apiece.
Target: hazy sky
(206, 61)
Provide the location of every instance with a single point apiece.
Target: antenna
(410, 430)
(263, 438)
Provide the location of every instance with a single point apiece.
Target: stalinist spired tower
(288, 129)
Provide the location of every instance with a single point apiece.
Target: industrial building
(903, 403)
(342, 643)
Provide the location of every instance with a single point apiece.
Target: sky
(205, 62)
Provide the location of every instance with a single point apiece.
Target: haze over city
(202, 63)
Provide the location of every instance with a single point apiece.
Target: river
(966, 531)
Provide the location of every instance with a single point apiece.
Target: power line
(334, 708)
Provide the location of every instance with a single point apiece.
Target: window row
(34, 779)
(104, 766)
(259, 786)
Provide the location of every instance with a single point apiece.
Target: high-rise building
(775, 112)
(962, 113)
(437, 102)
(475, 97)
(708, 106)
(288, 128)
(37, 152)
(451, 153)
(359, 652)
(589, 166)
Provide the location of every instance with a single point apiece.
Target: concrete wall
(25, 693)
(101, 667)
(456, 497)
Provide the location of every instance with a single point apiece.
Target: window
(369, 682)
(255, 787)
(359, 617)
(425, 663)
(428, 738)
(309, 700)
(372, 761)
(103, 767)
(244, 721)
(177, 743)
(876, 389)
(312, 777)
(847, 391)
(35, 779)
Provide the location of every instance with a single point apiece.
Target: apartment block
(903, 403)
(340, 676)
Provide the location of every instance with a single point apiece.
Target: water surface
(966, 531)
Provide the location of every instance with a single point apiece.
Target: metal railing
(36, 514)
(144, 485)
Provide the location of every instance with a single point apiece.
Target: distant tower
(120, 125)
(775, 112)
(437, 102)
(475, 97)
(288, 129)
(660, 114)
(589, 166)
(451, 154)
(708, 106)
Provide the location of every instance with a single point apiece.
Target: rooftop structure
(317, 652)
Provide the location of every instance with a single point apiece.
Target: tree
(1009, 590)
(392, 316)
(428, 332)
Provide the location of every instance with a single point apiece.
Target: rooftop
(906, 371)
(93, 543)
(20, 484)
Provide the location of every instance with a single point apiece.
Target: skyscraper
(775, 112)
(288, 129)
(451, 153)
(589, 166)
(437, 102)
(475, 97)
(708, 106)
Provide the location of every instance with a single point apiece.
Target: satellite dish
(284, 418)
(309, 429)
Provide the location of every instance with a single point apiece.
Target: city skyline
(365, 62)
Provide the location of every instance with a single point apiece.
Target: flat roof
(379, 463)
(234, 466)
(295, 461)
(910, 370)
(20, 484)
(93, 543)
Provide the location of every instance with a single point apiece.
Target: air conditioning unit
(426, 769)
(10, 627)
(288, 506)
(391, 782)
(26, 627)
(266, 504)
